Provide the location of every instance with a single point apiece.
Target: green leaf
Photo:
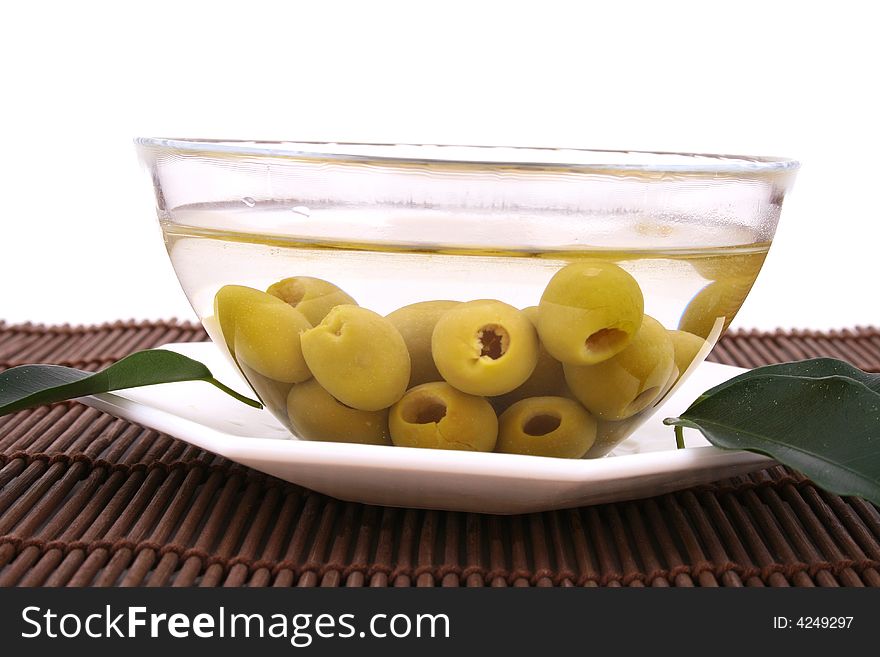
(813, 367)
(820, 417)
(34, 385)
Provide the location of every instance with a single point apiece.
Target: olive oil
(689, 280)
(712, 281)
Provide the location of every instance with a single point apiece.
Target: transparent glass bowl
(605, 238)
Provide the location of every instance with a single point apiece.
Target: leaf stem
(233, 393)
(679, 436)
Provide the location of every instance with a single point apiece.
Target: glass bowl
(595, 281)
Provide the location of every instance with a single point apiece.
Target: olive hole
(337, 327)
(541, 425)
(295, 293)
(643, 399)
(290, 292)
(494, 341)
(424, 410)
(605, 339)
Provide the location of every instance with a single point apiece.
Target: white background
(78, 80)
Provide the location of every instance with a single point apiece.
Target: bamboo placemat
(86, 499)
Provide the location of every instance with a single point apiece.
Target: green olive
(438, 416)
(358, 357)
(729, 267)
(263, 331)
(589, 312)
(720, 300)
(627, 383)
(416, 324)
(228, 304)
(547, 380)
(313, 297)
(546, 426)
(485, 347)
(316, 415)
(686, 346)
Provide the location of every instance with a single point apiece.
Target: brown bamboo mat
(86, 499)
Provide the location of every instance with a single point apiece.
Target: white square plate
(646, 464)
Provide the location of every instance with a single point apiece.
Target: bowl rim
(561, 158)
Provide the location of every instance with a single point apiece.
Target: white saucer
(646, 464)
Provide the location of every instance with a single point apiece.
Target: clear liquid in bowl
(686, 285)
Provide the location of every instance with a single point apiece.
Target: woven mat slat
(87, 499)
